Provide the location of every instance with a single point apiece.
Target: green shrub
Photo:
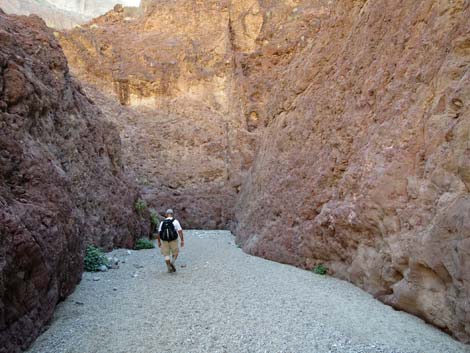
(143, 243)
(320, 269)
(94, 259)
(140, 205)
(154, 218)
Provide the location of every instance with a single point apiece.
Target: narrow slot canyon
(314, 134)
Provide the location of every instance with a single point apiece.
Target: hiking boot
(170, 268)
(173, 268)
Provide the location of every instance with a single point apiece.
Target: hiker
(167, 238)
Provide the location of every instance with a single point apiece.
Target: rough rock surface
(175, 164)
(62, 180)
(365, 161)
(187, 149)
(352, 115)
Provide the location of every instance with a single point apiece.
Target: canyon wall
(321, 132)
(62, 181)
(364, 164)
(174, 83)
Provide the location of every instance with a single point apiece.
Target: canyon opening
(329, 136)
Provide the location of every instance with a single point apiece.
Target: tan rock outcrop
(62, 181)
(174, 81)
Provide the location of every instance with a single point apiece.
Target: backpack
(168, 231)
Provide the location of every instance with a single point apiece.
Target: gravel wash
(223, 300)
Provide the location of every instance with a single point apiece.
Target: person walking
(167, 238)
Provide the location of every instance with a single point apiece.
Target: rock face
(364, 164)
(63, 14)
(62, 180)
(176, 75)
(322, 132)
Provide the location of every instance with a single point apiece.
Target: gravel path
(223, 300)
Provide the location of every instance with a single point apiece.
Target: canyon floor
(223, 300)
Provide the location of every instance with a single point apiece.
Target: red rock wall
(365, 161)
(62, 181)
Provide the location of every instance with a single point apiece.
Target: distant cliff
(90, 8)
(63, 14)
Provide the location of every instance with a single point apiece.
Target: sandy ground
(223, 300)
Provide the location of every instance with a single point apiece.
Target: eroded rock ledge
(62, 181)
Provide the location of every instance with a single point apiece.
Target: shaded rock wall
(176, 164)
(176, 75)
(364, 163)
(62, 181)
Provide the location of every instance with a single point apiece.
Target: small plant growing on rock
(320, 269)
(140, 205)
(94, 259)
(154, 221)
(154, 218)
(143, 243)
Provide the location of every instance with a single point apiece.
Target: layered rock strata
(62, 181)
